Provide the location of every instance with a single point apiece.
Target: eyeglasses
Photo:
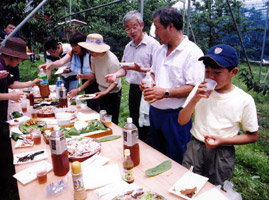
(134, 28)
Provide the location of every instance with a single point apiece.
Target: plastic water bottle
(148, 81)
(58, 85)
(130, 140)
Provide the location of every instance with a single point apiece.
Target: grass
(251, 177)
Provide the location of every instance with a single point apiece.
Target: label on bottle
(130, 137)
(128, 175)
(62, 94)
(44, 81)
(78, 183)
(58, 145)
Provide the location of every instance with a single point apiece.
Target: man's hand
(15, 96)
(153, 94)
(67, 70)
(82, 76)
(72, 93)
(42, 66)
(36, 81)
(110, 78)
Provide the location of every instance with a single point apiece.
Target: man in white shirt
(139, 50)
(55, 51)
(176, 70)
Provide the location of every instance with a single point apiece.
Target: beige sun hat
(15, 47)
(95, 43)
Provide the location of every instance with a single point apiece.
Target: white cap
(127, 152)
(129, 120)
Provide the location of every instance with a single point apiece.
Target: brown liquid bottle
(130, 140)
(59, 153)
(128, 166)
(63, 97)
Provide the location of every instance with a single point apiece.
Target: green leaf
(164, 166)
(15, 136)
(109, 138)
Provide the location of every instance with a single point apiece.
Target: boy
(218, 118)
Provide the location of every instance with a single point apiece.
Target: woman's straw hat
(15, 47)
(95, 43)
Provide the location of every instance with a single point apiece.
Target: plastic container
(58, 85)
(130, 140)
(148, 81)
(63, 97)
(128, 166)
(78, 183)
(59, 153)
(44, 84)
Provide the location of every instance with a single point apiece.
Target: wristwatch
(166, 94)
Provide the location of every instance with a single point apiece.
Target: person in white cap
(103, 62)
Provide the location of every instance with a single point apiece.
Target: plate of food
(188, 185)
(80, 149)
(24, 141)
(28, 157)
(16, 114)
(32, 125)
(85, 96)
(140, 194)
(45, 111)
(65, 113)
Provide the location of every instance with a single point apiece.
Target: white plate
(60, 70)
(212, 194)
(18, 120)
(20, 144)
(130, 64)
(63, 113)
(85, 96)
(187, 181)
(36, 158)
(29, 174)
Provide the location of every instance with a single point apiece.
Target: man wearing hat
(103, 62)
(218, 118)
(12, 54)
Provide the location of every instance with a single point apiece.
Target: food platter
(65, 113)
(32, 125)
(80, 149)
(139, 194)
(85, 96)
(45, 111)
(16, 114)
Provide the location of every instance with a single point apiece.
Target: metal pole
(142, 8)
(263, 43)
(70, 10)
(240, 39)
(22, 23)
(103, 5)
(188, 18)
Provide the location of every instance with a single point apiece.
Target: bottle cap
(76, 167)
(129, 120)
(127, 152)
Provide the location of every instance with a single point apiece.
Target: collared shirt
(66, 48)
(4, 83)
(181, 67)
(101, 66)
(141, 54)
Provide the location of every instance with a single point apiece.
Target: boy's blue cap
(223, 55)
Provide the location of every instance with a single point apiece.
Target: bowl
(65, 113)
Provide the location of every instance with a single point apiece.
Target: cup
(210, 86)
(24, 105)
(108, 119)
(34, 113)
(41, 173)
(37, 137)
(78, 104)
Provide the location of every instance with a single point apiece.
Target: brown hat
(95, 43)
(15, 47)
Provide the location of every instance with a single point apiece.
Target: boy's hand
(212, 142)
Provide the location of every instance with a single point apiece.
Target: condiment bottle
(31, 97)
(128, 166)
(59, 153)
(63, 97)
(79, 189)
(130, 140)
(148, 81)
(58, 85)
(44, 84)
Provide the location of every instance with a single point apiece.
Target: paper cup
(210, 86)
